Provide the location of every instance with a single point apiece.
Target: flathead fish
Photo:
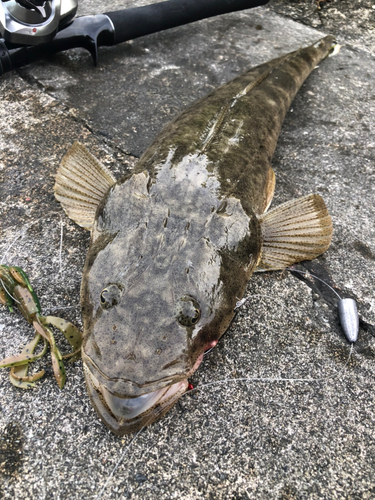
(174, 244)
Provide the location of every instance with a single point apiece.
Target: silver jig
(347, 309)
(349, 318)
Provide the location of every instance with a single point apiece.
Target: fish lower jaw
(126, 415)
(130, 408)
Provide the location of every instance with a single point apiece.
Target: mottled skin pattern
(184, 225)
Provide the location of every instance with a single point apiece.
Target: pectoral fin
(298, 230)
(81, 183)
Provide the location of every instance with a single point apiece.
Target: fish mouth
(129, 414)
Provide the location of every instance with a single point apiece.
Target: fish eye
(110, 295)
(188, 311)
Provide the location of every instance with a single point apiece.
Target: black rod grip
(140, 21)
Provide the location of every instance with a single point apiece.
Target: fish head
(138, 352)
(154, 297)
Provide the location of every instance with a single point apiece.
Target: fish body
(174, 244)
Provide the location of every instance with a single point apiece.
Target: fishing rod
(34, 29)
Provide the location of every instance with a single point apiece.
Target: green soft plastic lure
(15, 289)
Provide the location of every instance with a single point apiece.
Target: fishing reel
(33, 22)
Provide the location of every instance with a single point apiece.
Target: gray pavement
(259, 439)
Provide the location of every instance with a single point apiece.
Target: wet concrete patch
(364, 250)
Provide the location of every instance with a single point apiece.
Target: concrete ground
(258, 439)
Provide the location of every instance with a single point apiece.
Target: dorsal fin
(81, 184)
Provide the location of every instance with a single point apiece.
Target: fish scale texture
(260, 439)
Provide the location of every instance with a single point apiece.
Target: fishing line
(23, 231)
(276, 379)
(8, 292)
(119, 463)
(61, 243)
(241, 302)
(307, 274)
